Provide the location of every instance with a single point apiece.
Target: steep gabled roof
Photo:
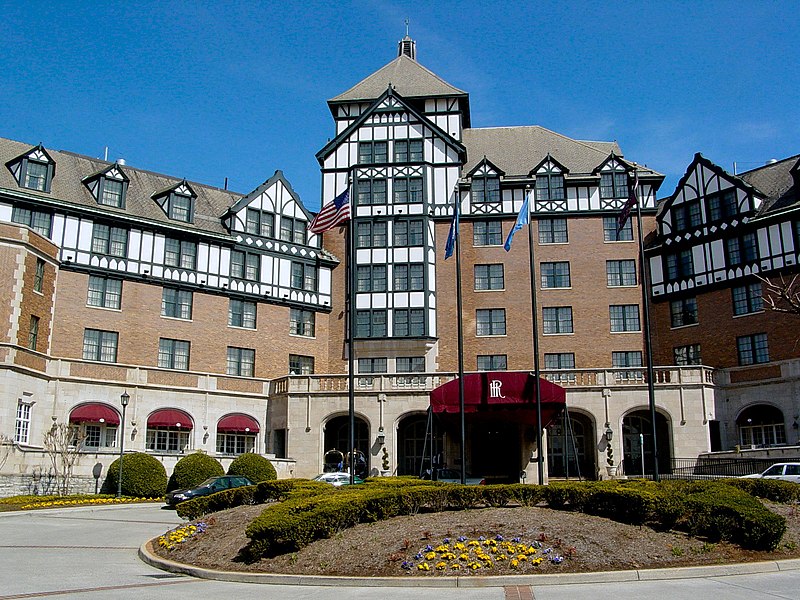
(408, 77)
(278, 176)
(776, 182)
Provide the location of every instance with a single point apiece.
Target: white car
(337, 479)
(782, 471)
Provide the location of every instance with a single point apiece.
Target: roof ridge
(770, 164)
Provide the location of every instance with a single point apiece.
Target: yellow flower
(430, 555)
(455, 566)
(515, 563)
(441, 565)
(423, 567)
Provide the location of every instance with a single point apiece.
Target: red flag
(332, 214)
(629, 204)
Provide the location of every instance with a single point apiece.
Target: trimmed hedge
(253, 466)
(783, 492)
(192, 470)
(143, 476)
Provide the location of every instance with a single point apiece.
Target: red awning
(170, 417)
(94, 412)
(505, 394)
(237, 424)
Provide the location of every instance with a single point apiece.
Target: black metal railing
(709, 467)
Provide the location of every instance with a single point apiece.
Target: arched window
(761, 425)
(96, 424)
(168, 430)
(236, 434)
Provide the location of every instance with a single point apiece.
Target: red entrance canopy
(501, 393)
(237, 424)
(94, 412)
(170, 417)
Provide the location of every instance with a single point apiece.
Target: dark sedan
(209, 486)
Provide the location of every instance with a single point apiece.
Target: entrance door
(337, 437)
(633, 445)
(416, 445)
(569, 449)
(495, 452)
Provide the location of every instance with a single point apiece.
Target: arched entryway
(337, 437)
(418, 439)
(761, 425)
(570, 447)
(637, 437)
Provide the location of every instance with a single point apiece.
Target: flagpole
(460, 325)
(536, 366)
(351, 335)
(651, 392)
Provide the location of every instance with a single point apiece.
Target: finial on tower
(407, 46)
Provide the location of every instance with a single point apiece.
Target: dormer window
(177, 202)
(721, 206)
(485, 189)
(108, 186)
(549, 186)
(33, 170)
(613, 185)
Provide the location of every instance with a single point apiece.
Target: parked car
(209, 486)
(452, 476)
(337, 479)
(782, 471)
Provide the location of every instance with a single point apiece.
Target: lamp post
(124, 399)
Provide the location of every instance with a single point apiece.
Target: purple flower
(446, 541)
(498, 537)
(462, 538)
(481, 538)
(428, 548)
(556, 559)
(547, 550)
(418, 556)
(516, 540)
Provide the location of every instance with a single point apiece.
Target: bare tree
(6, 446)
(62, 444)
(782, 295)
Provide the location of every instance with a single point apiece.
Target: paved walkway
(91, 553)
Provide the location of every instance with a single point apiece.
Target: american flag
(332, 214)
(632, 201)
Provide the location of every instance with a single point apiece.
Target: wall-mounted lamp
(381, 438)
(608, 432)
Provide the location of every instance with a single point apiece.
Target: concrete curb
(147, 555)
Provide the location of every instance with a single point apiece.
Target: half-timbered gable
(108, 186)
(33, 170)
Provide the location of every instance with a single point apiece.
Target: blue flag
(450, 246)
(523, 218)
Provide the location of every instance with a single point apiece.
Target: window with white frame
(22, 425)
(624, 317)
(301, 322)
(241, 361)
(620, 273)
(490, 321)
(747, 299)
(176, 303)
(173, 354)
(109, 240)
(104, 292)
(180, 253)
(301, 365)
(100, 345)
(167, 439)
(97, 435)
(241, 313)
(557, 320)
(235, 444)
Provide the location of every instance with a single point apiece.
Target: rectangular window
(371, 191)
(373, 153)
(371, 234)
(372, 365)
(752, 349)
(610, 230)
(304, 277)
(687, 216)
(492, 362)
(487, 233)
(371, 323)
(301, 365)
(560, 361)
(235, 444)
(747, 299)
(408, 233)
(687, 355)
(721, 206)
(109, 240)
(180, 253)
(408, 151)
(245, 265)
(33, 332)
(485, 189)
(683, 312)
(176, 303)
(371, 278)
(549, 186)
(613, 185)
(104, 292)
(40, 222)
(241, 361)
(555, 275)
(259, 222)
(624, 317)
(167, 440)
(409, 322)
(100, 345)
(111, 192)
(173, 354)
(620, 273)
(491, 321)
(38, 277)
(742, 249)
(293, 230)
(631, 359)
(180, 207)
(407, 190)
(557, 319)
(242, 313)
(35, 176)
(301, 322)
(408, 278)
(22, 426)
(553, 231)
(679, 265)
(489, 277)
(410, 364)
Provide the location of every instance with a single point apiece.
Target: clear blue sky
(208, 90)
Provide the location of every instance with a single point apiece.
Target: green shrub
(143, 476)
(784, 492)
(192, 470)
(253, 466)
